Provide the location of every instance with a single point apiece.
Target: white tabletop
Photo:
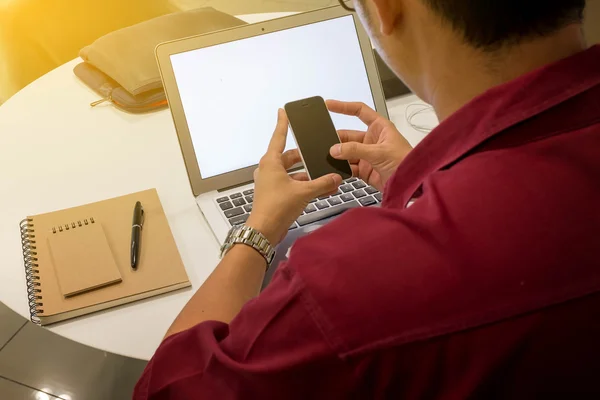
(57, 152)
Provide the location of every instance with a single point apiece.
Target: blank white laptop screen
(231, 92)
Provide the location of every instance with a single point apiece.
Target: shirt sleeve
(270, 350)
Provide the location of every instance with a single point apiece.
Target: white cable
(419, 109)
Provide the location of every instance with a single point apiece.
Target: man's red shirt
(488, 286)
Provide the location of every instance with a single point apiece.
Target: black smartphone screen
(315, 134)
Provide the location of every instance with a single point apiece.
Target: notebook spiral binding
(73, 225)
(28, 244)
(34, 293)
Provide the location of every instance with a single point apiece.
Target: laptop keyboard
(351, 194)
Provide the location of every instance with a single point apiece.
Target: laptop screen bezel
(163, 56)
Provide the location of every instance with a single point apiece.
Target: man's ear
(388, 12)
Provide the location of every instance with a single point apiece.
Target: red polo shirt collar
(490, 114)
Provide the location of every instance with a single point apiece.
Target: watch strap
(242, 234)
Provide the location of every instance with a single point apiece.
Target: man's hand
(374, 155)
(279, 198)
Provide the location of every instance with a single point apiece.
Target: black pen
(136, 234)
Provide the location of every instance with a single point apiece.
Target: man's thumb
(351, 151)
(325, 184)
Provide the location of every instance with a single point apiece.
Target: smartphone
(315, 133)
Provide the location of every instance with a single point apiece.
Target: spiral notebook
(77, 260)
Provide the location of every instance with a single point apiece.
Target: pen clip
(138, 215)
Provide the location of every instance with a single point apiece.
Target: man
(479, 277)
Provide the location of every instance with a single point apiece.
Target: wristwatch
(242, 234)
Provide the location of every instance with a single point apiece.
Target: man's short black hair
(491, 24)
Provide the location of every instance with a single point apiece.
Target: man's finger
(291, 157)
(277, 144)
(324, 185)
(352, 151)
(351, 136)
(365, 113)
(300, 176)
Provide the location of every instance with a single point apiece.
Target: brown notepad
(160, 268)
(82, 258)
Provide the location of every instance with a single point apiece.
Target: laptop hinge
(234, 186)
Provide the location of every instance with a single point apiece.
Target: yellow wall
(37, 36)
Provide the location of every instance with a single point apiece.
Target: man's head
(491, 24)
(404, 31)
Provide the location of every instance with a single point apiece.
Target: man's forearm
(237, 279)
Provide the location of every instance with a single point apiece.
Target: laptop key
(238, 202)
(359, 193)
(357, 185)
(249, 199)
(346, 197)
(337, 193)
(313, 201)
(226, 206)
(234, 212)
(310, 208)
(368, 201)
(350, 180)
(347, 188)
(236, 196)
(323, 197)
(248, 192)
(239, 219)
(222, 199)
(379, 197)
(371, 190)
(334, 201)
(327, 213)
(322, 204)
(248, 208)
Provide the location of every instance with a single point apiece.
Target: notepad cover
(82, 259)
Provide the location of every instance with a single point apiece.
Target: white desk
(57, 152)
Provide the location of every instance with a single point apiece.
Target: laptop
(224, 89)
